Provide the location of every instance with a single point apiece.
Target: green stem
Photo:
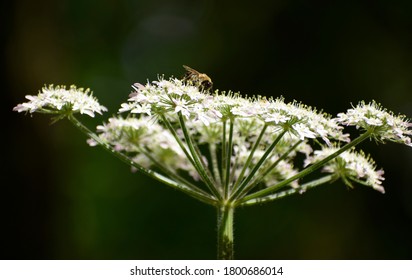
(244, 188)
(173, 174)
(178, 140)
(305, 171)
(249, 159)
(262, 175)
(199, 164)
(223, 154)
(225, 232)
(227, 159)
(278, 195)
(215, 164)
(157, 176)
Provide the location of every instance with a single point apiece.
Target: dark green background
(65, 200)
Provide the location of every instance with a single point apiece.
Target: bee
(197, 79)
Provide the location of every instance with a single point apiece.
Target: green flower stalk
(226, 150)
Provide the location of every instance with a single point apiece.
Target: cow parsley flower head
(250, 137)
(385, 126)
(63, 101)
(350, 166)
(259, 133)
(228, 150)
(169, 97)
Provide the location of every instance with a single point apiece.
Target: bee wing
(190, 70)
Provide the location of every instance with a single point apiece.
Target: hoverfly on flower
(197, 79)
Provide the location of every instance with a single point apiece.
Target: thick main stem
(225, 232)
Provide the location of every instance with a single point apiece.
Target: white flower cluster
(350, 165)
(176, 132)
(169, 97)
(385, 125)
(208, 117)
(59, 100)
(145, 141)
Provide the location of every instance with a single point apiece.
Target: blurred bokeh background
(64, 200)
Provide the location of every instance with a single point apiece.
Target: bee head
(206, 84)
